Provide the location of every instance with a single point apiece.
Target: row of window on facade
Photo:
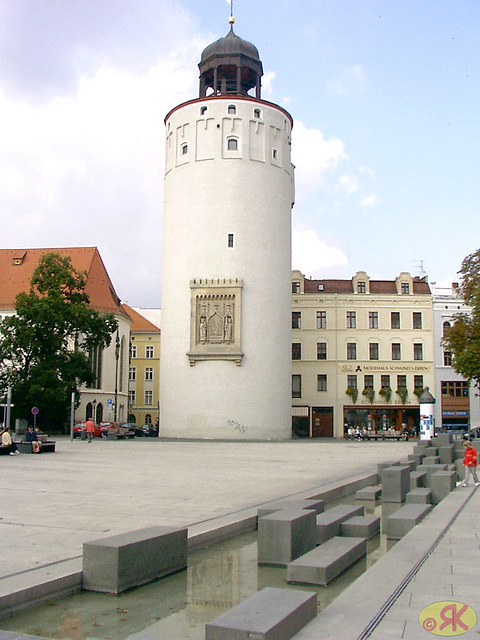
(149, 351)
(232, 144)
(231, 111)
(361, 287)
(148, 374)
(351, 320)
(147, 398)
(373, 347)
(352, 383)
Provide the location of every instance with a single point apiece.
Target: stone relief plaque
(215, 320)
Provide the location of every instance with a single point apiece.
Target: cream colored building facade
(144, 370)
(373, 338)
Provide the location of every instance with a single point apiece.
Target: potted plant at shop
(386, 393)
(418, 391)
(403, 393)
(369, 393)
(352, 392)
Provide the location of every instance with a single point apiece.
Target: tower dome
(230, 65)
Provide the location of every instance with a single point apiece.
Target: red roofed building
(109, 399)
(362, 351)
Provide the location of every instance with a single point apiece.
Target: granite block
(314, 504)
(446, 454)
(418, 479)
(271, 614)
(395, 483)
(117, 563)
(369, 493)
(328, 523)
(360, 527)
(421, 495)
(327, 561)
(285, 535)
(441, 483)
(405, 518)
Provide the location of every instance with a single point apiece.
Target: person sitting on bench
(31, 436)
(8, 443)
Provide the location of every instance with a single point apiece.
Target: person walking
(470, 463)
(8, 443)
(89, 428)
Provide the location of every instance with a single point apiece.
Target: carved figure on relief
(216, 327)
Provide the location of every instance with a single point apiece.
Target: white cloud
(370, 201)
(369, 170)
(348, 183)
(315, 158)
(310, 254)
(267, 84)
(352, 80)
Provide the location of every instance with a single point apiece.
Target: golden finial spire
(231, 20)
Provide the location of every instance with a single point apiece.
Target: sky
(385, 97)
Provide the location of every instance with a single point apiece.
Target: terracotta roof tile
(140, 324)
(17, 267)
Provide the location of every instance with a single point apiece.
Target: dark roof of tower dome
(230, 45)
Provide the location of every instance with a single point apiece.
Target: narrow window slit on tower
(230, 240)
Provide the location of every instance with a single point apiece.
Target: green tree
(462, 339)
(46, 347)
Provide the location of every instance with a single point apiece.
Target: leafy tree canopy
(45, 347)
(462, 339)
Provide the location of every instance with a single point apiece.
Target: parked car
(150, 431)
(99, 430)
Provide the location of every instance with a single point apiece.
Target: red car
(99, 431)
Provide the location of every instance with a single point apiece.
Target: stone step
(369, 493)
(328, 523)
(270, 613)
(420, 495)
(360, 527)
(327, 561)
(405, 518)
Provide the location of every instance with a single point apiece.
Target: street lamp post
(117, 354)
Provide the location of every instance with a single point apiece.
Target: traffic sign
(34, 410)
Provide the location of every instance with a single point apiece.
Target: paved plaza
(52, 503)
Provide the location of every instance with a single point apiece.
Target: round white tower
(226, 285)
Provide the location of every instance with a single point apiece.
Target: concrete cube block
(328, 523)
(421, 495)
(395, 483)
(432, 468)
(416, 457)
(120, 562)
(405, 518)
(314, 504)
(286, 535)
(460, 469)
(369, 493)
(271, 614)
(446, 454)
(418, 479)
(443, 439)
(421, 447)
(431, 452)
(327, 561)
(441, 483)
(360, 527)
(383, 465)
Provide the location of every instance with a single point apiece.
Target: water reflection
(176, 608)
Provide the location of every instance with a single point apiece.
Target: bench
(270, 613)
(326, 562)
(385, 435)
(405, 518)
(328, 523)
(47, 446)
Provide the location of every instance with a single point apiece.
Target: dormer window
(184, 149)
(405, 287)
(361, 287)
(232, 144)
(232, 109)
(18, 259)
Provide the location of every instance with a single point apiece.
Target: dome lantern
(230, 65)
